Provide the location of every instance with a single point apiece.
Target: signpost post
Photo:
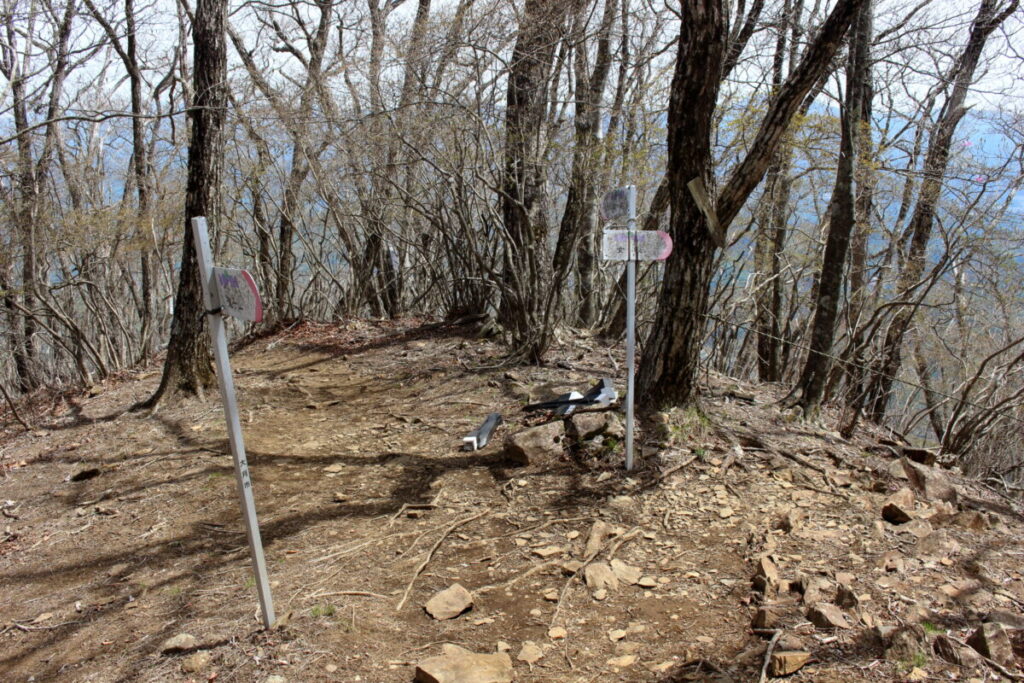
(630, 245)
(227, 291)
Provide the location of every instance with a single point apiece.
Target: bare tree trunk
(989, 17)
(139, 162)
(668, 371)
(524, 202)
(580, 206)
(187, 368)
(810, 389)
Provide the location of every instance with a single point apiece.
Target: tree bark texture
(524, 203)
(842, 219)
(668, 370)
(187, 368)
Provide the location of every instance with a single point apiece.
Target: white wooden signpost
(227, 291)
(630, 245)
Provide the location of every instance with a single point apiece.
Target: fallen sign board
(648, 245)
(239, 297)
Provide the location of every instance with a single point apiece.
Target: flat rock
(899, 507)
(585, 426)
(647, 582)
(815, 589)
(791, 520)
(624, 572)
(825, 615)
(929, 481)
(449, 603)
(458, 665)
(992, 640)
(940, 512)
(845, 578)
(895, 469)
(196, 662)
(918, 527)
(1007, 619)
(599, 533)
(536, 444)
(785, 662)
(182, 641)
(846, 597)
(955, 653)
(937, 544)
(530, 652)
(548, 551)
(557, 633)
(599, 575)
(764, 618)
(971, 519)
(623, 661)
(766, 576)
(905, 644)
(571, 567)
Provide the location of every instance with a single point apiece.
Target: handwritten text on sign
(648, 245)
(238, 295)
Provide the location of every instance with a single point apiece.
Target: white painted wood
(218, 336)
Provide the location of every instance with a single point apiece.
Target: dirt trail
(363, 498)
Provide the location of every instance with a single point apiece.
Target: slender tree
(991, 13)
(810, 388)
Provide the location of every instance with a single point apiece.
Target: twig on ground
(1002, 670)
(517, 578)
(430, 554)
(768, 656)
(632, 533)
(676, 468)
(365, 594)
(14, 410)
(802, 461)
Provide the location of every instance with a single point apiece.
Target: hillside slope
(122, 530)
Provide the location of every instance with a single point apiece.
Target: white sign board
(239, 297)
(648, 245)
(615, 204)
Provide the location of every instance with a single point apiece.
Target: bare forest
(392, 158)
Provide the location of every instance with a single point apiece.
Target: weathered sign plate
(649, 245)
(239, 297)
(615, 204)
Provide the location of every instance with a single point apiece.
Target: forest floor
(122, 530)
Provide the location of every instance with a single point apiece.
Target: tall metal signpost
(630, 245)
(228, 291)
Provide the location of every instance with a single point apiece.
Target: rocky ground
(746, 546)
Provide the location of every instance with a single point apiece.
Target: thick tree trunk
(669, 368)
(668, 371)
(187, 367)
(524, 203)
